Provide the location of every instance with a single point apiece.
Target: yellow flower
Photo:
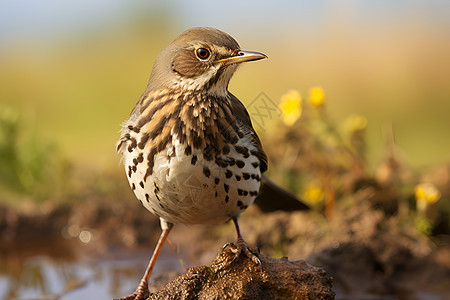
(427, 192)
(314, 193)
(317, 96)
(355, 123)
(291, 106)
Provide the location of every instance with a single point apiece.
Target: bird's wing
(242, 116)
(271, 197)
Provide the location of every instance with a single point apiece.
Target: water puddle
(65, 277)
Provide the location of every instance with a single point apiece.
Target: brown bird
(189, 149)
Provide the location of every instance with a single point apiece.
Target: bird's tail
(273, 197)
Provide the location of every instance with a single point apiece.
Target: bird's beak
(243, 56)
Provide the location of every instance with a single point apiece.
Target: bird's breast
(188, 160)
(186, 186)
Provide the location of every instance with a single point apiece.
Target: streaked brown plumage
(189, 149)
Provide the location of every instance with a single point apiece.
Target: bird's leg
(242, 246)
(141, 292)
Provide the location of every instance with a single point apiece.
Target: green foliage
(28, 165)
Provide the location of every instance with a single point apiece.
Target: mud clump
(241, 278)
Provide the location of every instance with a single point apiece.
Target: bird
(189, 149)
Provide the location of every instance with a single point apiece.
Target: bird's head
(200, 59)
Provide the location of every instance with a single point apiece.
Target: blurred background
(71, 71)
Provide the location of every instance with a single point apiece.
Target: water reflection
(63, 273)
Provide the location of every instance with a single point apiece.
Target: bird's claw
(241, 247)
(225, 246)
(251, 255)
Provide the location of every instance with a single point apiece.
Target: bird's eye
(202, 53)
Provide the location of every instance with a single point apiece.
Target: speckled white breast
(186, 188)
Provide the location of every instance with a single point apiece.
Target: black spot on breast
(132, 144)
(135, 129)
(150, 162)
(215, 195)
(147, 197)
(218, 161)
(242, 150)
(246, 176)
(228, 174)
(140, 158)
(133, 186)
(238, 178)
(141, 184)
(206, 171)
(160, 204)
(253, 193)
(254, 152)
(226, 149)
(194, 160)
(216, 180)
(156, 186)
(231, 161)
(226, 187)
(134, 168)
(188, 151)
(227, 199)
(240, 192)
(135, 161)
(255, 164)
(130, 172)
(245, 193)
(240, 164)
(239, 203)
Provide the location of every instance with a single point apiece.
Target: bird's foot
(141, 293)
(242, 247)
